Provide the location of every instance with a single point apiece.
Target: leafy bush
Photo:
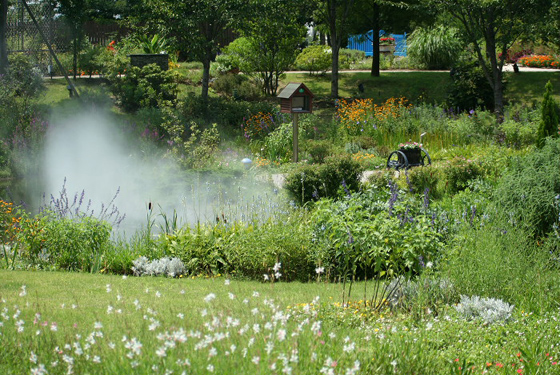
(518, 133)
(278, 145)
(363, 235)
(234, 57)
(236, 86)
(492, 257)
(458, 172)
(222, 111)
(318, 150)
(315, 59)
(421, 295)
(349, 57)
(423, 178)
(436, 48)
(310, 182)
(71, 244)
(475, 126)
(470, 89)
(148, 86)
(92, 60)
(23, 79)
(195, 149)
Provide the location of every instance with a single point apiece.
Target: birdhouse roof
(293, 88)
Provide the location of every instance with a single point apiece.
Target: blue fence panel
(401, 48)
(364, 43)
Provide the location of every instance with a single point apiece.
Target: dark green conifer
(549, 121)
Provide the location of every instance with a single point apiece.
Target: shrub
(318, 150)
(458, 172)
(314, 59)
(196, 149)
(310, 182)
(364, 236)
(518, 133)
(278, 145)
(470, 89)
(426, 177)
(23, 78)
(148, 86)
(236, 86)
(201, 249)
(71, 244)
(260, 125)
(234, 57)
(349, 57)
(226, 112)
(436, 48)
(475, 126)
(500, 260)
(92, 60)
(423, 295)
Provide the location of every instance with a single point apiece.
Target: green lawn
(525, 88)
(424, 86)
(55, 323)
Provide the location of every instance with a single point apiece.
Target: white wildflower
(209, 298)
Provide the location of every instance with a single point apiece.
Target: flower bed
(540, 61)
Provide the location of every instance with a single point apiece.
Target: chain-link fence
(23, 35)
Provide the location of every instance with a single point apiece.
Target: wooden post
(295, 131)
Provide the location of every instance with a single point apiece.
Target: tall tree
(335, 14)
(196, 26)
(274, 38)
(491, 27)
(389, 15)
(76, 13)
(3, 36)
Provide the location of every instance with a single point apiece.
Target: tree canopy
(491, 27)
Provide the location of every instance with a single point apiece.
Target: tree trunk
(3, 35)
(498, 94)
(334, 72)
(75, 61)
(495, 73)
(205, 75)
(375, 42)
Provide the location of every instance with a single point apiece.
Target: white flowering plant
(410, 146)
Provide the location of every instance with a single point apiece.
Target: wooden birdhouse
(296, 98)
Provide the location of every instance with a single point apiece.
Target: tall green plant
(153, 45)
(548, 126)
(436, 48)
(527, 191)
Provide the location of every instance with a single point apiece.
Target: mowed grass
(526, 88)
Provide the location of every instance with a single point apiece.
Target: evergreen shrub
(337, 174)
